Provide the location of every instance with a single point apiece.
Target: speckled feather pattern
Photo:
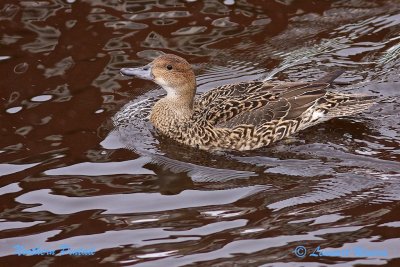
(251, 115)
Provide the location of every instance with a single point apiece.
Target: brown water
(68, 177)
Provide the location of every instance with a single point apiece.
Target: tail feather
(355, 104)
(330, 77)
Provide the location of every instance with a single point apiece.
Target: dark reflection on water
(69, 177)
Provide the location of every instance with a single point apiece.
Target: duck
(241, 116)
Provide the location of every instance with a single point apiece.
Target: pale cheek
(170, 91)
(160, 81)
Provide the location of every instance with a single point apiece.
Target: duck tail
(330, 77)
(351, 104)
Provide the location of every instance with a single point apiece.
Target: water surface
(68, 177)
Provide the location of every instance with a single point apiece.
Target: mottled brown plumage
(239, 116)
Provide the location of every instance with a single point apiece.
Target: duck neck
(175, 108)
(181, 99)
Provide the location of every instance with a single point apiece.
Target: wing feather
(256, 103)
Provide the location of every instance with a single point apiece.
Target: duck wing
(256, 103)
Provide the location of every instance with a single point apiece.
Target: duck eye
(169, 67)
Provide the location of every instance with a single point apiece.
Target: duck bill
(142, 72)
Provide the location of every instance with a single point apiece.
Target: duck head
(174, 74)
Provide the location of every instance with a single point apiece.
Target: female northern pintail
(241, 116)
